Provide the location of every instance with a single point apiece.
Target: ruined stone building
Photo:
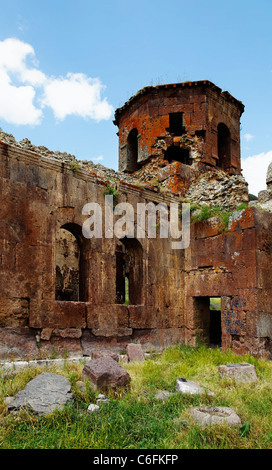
(61, 291)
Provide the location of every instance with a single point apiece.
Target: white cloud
(98, 159)
(25, 90)
(17, 102)
(254, 171)
(78, 95)
(248, 137)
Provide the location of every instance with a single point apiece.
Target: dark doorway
(215, 332)
(208, 319)
(223, 146)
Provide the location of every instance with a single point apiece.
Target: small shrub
(241, 207)
(75, 166)
(111, 191)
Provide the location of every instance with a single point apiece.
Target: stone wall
(236, 267)
(170, 289)
(39, 196)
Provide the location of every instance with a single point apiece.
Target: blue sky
(65, 67)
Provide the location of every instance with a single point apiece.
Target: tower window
(176, 126)
(223, 146)
(132, 151)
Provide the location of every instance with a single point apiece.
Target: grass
(204, 212)
(136, 419)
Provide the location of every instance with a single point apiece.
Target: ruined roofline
(148, 89)
(34, 159)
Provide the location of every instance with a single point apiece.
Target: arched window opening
(129, 272)
(132, 151)
(69, 284)
(223, 146)
(177, 154)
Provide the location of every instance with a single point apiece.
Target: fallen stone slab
(17, 366)
(135, 352)
(43, 394)
(190, 387)
(241, 372)
(105, 373)
(211, 415)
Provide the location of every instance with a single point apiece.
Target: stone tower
(193, 123)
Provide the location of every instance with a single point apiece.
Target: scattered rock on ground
(241, 372)
(210, 415)
(163, 395)
(103, 353)
(135, 352)
(105, 373)
(188, 386)
(43, 394)
(92, 408)
(102, 399)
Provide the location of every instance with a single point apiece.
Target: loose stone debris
(135, 352)
(190, 387)
(105, 373)
(163, 395)
(92, 408)
(103, 353)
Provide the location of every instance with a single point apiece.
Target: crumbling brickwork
(193, 122)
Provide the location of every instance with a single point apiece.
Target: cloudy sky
(65, 67)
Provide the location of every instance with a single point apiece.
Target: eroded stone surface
(190, 387)
(43, 394)
(135, 352)
(104, 353)
(105, 373)
(241, 372)
(210, 415)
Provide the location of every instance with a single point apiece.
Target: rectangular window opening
(176, 126)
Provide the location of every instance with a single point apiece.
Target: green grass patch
(135, 419)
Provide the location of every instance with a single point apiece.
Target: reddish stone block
(135, 352)
(105, 373)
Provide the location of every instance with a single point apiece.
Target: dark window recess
(70, 265)
(223, 146)
(176, 126)
(177, 154)
(129, 272)
(132, 151)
